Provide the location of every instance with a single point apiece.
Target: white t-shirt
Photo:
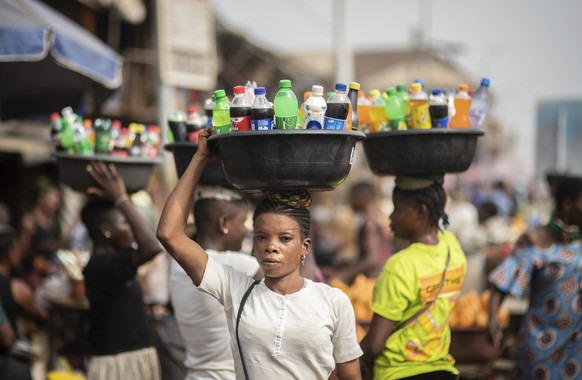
(298, 336)
(202, 321)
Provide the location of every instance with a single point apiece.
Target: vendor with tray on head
(409, 335)
(281, 327)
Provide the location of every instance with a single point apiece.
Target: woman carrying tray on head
(409, 334)
(282, 327)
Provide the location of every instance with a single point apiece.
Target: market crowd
(216, 285)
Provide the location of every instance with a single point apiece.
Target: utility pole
(344, 55)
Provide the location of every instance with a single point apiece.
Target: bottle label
(420, 117)
(241, 123)
(313, 124)
(331, 123)
(440, 123)
(262, 124)
(286, 122)
(102, 142)
(219, 129)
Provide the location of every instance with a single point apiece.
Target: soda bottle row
(72, 134)
(258, 113)
(401, 108)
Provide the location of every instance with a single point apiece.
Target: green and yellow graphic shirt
(409, 280)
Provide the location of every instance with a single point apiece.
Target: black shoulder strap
(425, 308)
(240, 309)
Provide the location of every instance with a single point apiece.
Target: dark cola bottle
(338, 107)
(262, 113)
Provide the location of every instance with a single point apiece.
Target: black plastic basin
(287, 159)
(183, 153)
(421, 151)
(135, 171)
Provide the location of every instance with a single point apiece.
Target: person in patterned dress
(547, 265)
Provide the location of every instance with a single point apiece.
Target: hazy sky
(530, 49)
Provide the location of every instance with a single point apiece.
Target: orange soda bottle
(462, 106)
(363, 109)
(301, 118)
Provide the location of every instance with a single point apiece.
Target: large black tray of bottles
(183, 152)
(287, 159)
(421, 151)
(135, 171)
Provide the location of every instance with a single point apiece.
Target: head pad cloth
(418, 182)
(293, 198)
(217, 193)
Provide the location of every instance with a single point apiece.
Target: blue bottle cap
(485, 82)
(436, 91)
(418, 80)
(341, 86)
(260, 91)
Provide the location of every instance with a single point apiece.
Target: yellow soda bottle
(364, 111)
(419, 115)
(379, 119)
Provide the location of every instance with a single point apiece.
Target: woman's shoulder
(327, 291)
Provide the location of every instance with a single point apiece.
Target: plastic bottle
(479, 104)
(262, 111)
(338, 106)
(378, 115)
(419, 115)
(301, 118)
(363, 111)
(221, 113)
(286, 106)
(395, 111)
(81, 143)
(438, 109)
(462, 106)
(194, 124)
(250, 91)
(315, 108)
(68, 132)
(121, 145)
(352, 121)
(102, 135)
(177, 124)
(403, 94)
(115, 133)
(240, 110)
(56, 128)
(208, 107)
(136, 139)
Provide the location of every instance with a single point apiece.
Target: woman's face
(121, 232)
(404, 218)
(278, 244)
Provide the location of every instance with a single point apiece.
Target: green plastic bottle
(286, 106)
(221, 113)
(403, 94)
(394, 110)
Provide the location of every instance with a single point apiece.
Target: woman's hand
(204, 151)
(111, 185)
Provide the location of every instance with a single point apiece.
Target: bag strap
(429, 304)
(240, 309)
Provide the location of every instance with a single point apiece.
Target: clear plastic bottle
(338, 106)
(378, 115)
(208, 108)
(56, 128)
(68, 131)
(420, 117)
(438, 109)
(315, 107)
(395, 111)
(194, 124)
(286, 106)
(250, 91)
(177, 124)
(262, 111)
(353, 121)
(221, 113)
(462, 106)
(479, 104)
(240, 110)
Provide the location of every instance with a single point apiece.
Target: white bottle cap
(317, 90)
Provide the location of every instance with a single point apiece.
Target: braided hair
(433, 197)
(300, 214)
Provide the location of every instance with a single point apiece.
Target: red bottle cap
(239, 89)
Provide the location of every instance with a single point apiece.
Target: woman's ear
(422, 213)
(306, 246)
(222, 224)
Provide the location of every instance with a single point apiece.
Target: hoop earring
(302, 259)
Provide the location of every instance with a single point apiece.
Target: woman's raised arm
(171, 228)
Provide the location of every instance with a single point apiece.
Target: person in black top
(122, 241)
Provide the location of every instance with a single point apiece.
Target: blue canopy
(43, 55)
